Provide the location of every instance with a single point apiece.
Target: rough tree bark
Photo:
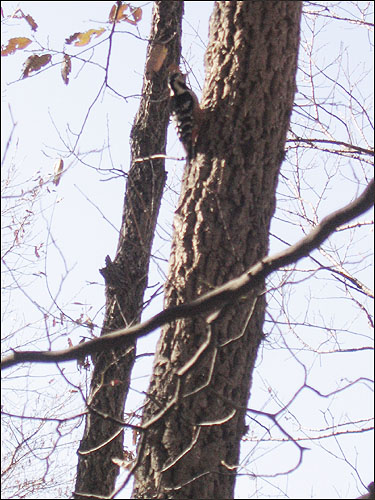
(126, 276)
(194, 417)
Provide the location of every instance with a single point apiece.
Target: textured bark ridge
(195, 414)
(126, 276)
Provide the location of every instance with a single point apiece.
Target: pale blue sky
(46, 111)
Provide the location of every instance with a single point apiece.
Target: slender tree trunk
(126, 276)
(194, 417)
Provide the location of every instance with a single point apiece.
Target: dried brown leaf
(120, 13)
(112, 13)
(66, 68)
(137, 14)
(31, 22)
(84, 38)
(72, 38)
(35, 62)
(157, 57)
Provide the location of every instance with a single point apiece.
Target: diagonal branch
(214, 299)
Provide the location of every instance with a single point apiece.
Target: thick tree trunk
(126, 276)
(194, 417)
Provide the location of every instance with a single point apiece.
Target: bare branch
(215, 299)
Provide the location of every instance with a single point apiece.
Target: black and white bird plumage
(185, 111)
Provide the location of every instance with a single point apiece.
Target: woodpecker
(185, 111)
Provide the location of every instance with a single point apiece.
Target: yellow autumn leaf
(57, 171)
(85, 38)
(15, 44)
